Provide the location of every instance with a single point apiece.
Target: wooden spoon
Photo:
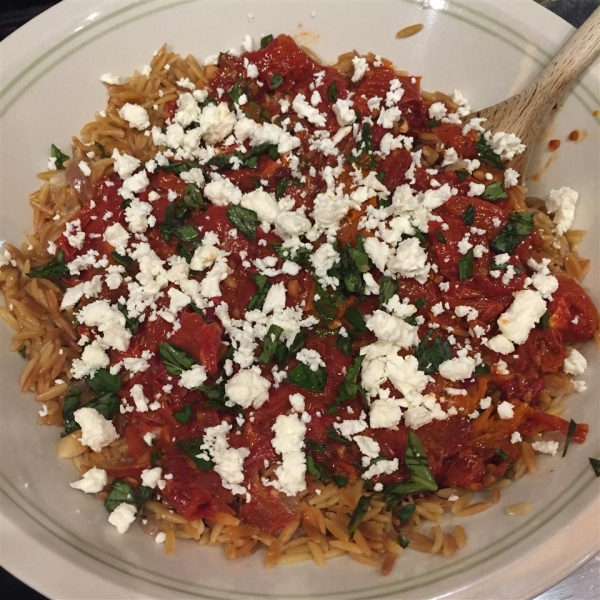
(524, 113)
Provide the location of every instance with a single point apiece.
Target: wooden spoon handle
(573, 58)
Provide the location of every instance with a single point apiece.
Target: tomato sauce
(460, 450)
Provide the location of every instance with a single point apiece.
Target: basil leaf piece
(465, 266)
(462, 175)
(281, 187)
(332, 91)
(348, 389)
(122, 259)
(71, 404)
(482, 369)
(183, 416)
(340, 481)
(193, 197)
(468, 216)
(432, 123)
(60, 157)
(193, 447)
(403, 540)
(303, 376)
(353, 316)
(421, 479)
(23, 351)
(315, 468)
(132, 323)
(494, 191)
(264, 285)
(387, 288)
(316, 446)
(120, 493)
(217, 398)
(431, 356)
(176, 360)
(406, 511)
(189, 234)
(595, 465)
(570, 433)
(270, 344)
(103, 381)
(516, 229)
(264, 41)
(100, 147)
(358, 514)
(107, 404)
(155, 458)
(276, 80)
(364, 148)
(53, 269)
(417, 464)
(334, 436)
(344, 343)
(440, 236)
(487, 155)
(503, 455)
(380, 176)
(545, 321)
(300, 257)
(123, 493)
(235, 92)
(179, 167)
(244, 219)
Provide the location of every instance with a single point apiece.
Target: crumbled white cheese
(92, 482)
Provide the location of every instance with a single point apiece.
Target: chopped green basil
(358, 514)
(482, 369)
(406, 511)
(122, 259)
(431, 356)
(132, 323)
(440, 236)
(462, 175)
(595, 465)
(494, 191)
(100, 147)
(264, 41)
(270, 344)
(403, 540)
(465, 266)
(71, 404)
(334, 436)
(349, 388)
(303, 376)
(121, 493)
(193, 447)
(276, 81)
(487, 155)
(155, 458)
(432, 123)
(183, 416)
(503, 455)
(353, 316)
(570, 433)
(193, 197)
(387, 288)
(60, 157)
(244, 219)
(516, 229)
(468, 216)
(53, 269)
(332, 91)
(421, 479)
(264, 285)
(545, 320)
(176, 360)
(103, 381)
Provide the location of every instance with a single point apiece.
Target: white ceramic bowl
(57, 539)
